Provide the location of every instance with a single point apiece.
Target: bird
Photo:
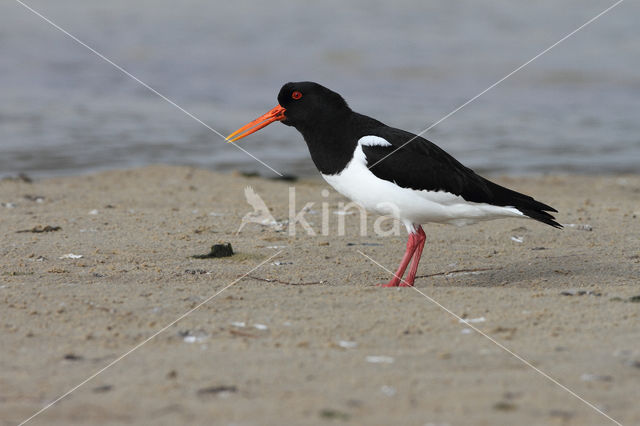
(392, 172)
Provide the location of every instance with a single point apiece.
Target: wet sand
(307, 338)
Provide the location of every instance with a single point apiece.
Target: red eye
(296, 95)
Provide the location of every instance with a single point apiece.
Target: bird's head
(302, 105)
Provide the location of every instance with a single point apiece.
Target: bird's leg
(421, 238)
(412, 244)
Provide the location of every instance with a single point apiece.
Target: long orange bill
(276, 114)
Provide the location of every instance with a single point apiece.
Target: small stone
(329, 413)
(504, 406)
(388, 390)
(634, 363)
(71, 256)
(102, 389)
(217, 250)
(212, 390)
(379, 359)
(73, 357)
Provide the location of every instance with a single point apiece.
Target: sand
(322, 344)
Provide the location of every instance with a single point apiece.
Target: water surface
(63, 110)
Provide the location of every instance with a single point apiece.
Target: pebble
(71, 256)
(73, 357)
(212, 390)
(504, 406)
(194, 339)
(379, 359)
(586, 377)
(217, 250)
(102, 389)
(388, 390)
(329, 413)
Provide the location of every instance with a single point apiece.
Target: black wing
(422, 165)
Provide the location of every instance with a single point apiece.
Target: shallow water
(63, 110)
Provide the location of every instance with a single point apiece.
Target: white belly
(409, 205)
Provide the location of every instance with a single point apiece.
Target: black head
(307, 103)
(329, 127)
(309, 107)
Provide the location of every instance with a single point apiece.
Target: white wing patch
(373, 141)
(359, 156)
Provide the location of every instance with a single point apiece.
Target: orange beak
(276, 114)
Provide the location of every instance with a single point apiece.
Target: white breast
(408, 205)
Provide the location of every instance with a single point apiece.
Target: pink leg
(412, 245)
(421, 238)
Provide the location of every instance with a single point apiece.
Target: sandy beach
(294, 329)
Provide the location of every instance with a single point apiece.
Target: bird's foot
(396, 283)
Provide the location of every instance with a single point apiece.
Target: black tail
(526, 204)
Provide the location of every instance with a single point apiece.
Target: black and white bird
(390, 171)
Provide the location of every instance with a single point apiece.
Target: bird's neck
(332, 144)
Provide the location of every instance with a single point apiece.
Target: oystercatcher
(372, 164)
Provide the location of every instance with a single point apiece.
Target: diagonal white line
(151, 89)
(146, 340)
(498, 82)
(500, 345)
